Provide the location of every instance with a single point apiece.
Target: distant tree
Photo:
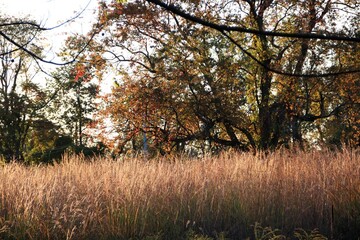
(42, 138)
(343, 128)
(27, 131)
(21, 99)
(77, 87)
(74, 103)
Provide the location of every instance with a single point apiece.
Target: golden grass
(165, 198)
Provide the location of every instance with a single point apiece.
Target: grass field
(230, 196)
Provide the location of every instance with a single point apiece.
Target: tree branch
(37, 57)
(176, 10)
(316, 75)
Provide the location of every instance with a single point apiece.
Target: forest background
(190, 76)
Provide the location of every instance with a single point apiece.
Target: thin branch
(33, 24)
(17, 49)
(282, 72)
(123, 59)
(36, 25)
(176, 10)
(35, 56)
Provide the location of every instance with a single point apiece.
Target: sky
(50, 13)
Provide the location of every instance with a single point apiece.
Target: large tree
(190, 75)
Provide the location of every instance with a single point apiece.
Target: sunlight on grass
(173, 199)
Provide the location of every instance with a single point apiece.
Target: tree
(271, 52)
(9, 23)
(194, 96)
(21, 100)
(77, 87)
(344, 126)
(27, 133)
(74, 102)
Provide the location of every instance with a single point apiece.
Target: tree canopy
(205, 75)
(242, 74)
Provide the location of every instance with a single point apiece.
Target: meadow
(283, 195)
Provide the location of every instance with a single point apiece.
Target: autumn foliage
(197, 76)
(188, 86)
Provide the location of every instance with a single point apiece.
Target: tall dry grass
(165, 198)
